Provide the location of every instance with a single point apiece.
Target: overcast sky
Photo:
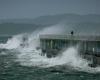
(35, 8)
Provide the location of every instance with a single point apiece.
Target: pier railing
(72, 37)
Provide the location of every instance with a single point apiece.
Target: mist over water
(29, 56)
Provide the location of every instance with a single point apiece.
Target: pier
(89, 45)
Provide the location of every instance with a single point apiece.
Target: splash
(26, 44)
(12, 43)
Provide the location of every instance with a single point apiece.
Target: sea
(21, 60)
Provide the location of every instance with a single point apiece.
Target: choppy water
(10, 70)
(20, 60)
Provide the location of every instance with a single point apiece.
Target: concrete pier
(89, 45)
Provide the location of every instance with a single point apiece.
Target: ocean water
(20, 60)
(12, 70)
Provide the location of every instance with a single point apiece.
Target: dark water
(11, 70)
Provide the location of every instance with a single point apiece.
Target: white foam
(30, 56)
(12, 43)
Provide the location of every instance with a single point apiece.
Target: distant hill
(16, 28)
(66, 18)
(55, 19)
(78, 23)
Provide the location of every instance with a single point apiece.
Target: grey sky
(35, 8)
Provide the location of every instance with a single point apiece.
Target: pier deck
(53, 44)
